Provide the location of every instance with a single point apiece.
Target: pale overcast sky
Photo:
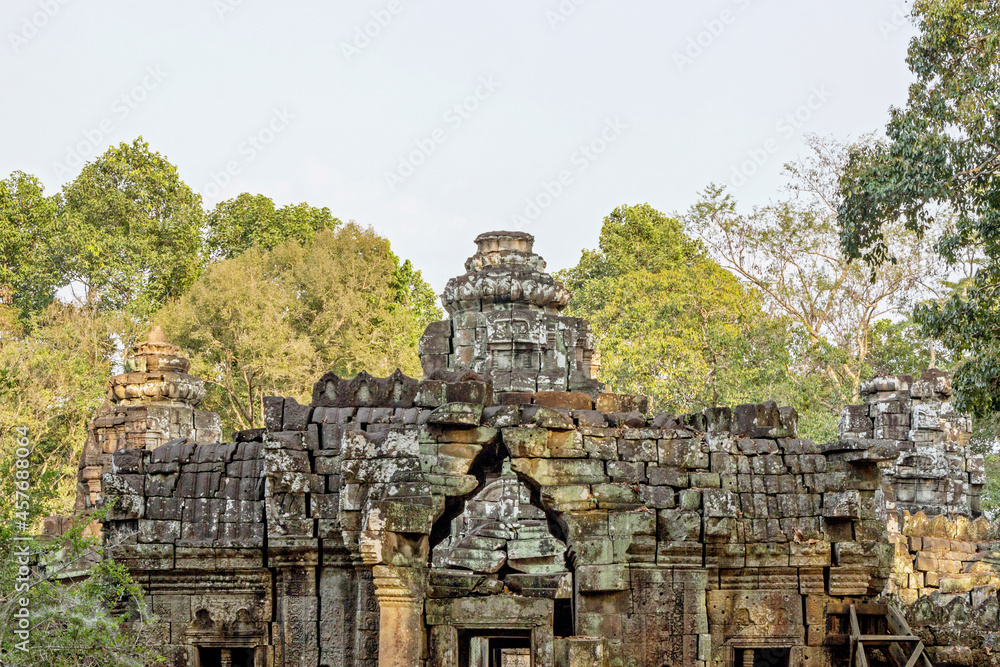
(434, 120)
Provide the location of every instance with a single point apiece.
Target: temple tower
(506, 325)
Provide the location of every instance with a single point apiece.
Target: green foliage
(28, 279)
(55, 371)
(789, 252)
(669, 322)
(236, 225)
(84, 610)
(272, 322)
(133, 236)
(938, 163)
(986, 441)
(129, 231)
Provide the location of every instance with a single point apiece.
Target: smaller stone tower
(506, 325)
(152, 403)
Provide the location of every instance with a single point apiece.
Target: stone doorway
(762, 657)
(225, 657)
(495, 648)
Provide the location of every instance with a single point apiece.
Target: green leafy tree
(53, 377)
(272, 322)
(237, 224)
(789, 252)
(85, 610)
(670, 322)
(130, 231)
(28, 279)
(938, 165)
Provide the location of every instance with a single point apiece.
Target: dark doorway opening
(562, 618)
(210, 657)
(494, 648)
(242, 657)
(238, 657)
(763, 657)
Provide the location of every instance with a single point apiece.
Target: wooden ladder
(897, 643)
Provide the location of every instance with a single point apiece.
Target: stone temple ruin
(509, 511)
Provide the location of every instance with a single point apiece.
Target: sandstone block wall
(486, 514)
(935, 470)
(688, 539)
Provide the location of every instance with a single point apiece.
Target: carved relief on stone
(501, 527)
(156, 373)
(505, 323)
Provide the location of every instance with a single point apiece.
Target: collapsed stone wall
(935, 471)
(946, 573)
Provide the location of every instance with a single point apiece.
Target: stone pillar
(225, 658)
(748, 657)
(401, 616)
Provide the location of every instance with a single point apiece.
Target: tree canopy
(129, 231)
(28, 279)
(271, 322)
(287, 293)
(789, 251)
(237, 224)
(669, 321)
(938, 165)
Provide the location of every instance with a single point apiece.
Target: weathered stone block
(678, 525)
(720, 503)
(546, 472)
(682, 453)
(657, 497)
(625, 471)
(667, 476)
(600, 447)
(842, 504)
(569, 497)
(601, 578)
(468, 414)
(563, 400)
(755, 613)
(615, 495)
